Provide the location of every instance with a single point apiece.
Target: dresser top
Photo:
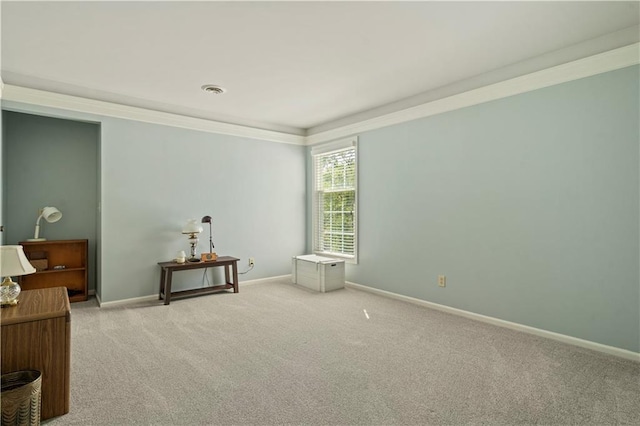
(39, 304)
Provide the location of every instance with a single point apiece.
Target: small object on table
(208, 257)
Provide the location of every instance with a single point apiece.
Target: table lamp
(51, 215)
(192, 229)
(13, 262)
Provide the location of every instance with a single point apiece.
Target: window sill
(353, 260)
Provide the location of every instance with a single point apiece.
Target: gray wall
(529, 205)
(51, 162)
(155, 178)
(2, 242)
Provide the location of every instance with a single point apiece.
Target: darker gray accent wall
(51, 162)
(2, 196)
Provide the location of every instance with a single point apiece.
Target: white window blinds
(335, 185)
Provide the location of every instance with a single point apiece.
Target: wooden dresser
(36, 335)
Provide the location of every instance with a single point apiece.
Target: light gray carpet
(278, 354)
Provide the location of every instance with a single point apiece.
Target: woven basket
(21, 398)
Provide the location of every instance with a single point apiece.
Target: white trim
(326, 149)
(108, 109)
(608, 61)
(611, 350)
(334, 146)
(128, 301)
(154, 297)
(264, 280)
(597, 64)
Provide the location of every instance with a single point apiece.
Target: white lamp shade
(13, 262)
(51, 214)
(192, 227)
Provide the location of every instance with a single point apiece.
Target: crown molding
(608, 61)
(108, 109)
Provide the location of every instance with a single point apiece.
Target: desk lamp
(51, 215)
(211, 255)
(13, 262)
(192, 229)
(207, 219)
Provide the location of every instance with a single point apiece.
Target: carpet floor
(278, 354)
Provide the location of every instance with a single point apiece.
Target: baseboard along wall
(611, 350)
(155, 296)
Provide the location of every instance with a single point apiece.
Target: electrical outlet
(252, 261)
(442, 280)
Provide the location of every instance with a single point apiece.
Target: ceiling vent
(213, 89)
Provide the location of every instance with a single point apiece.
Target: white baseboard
(264, 280)
(611, 350)
(155, 296)
(127, 301)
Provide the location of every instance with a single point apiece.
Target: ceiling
(295, 67)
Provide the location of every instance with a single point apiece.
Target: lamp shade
(13, 262)
(192, 227)
(51, 214)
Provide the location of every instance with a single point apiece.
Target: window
(335, 199)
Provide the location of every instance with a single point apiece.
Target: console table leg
(234, 266)
(162, 272)
(167, 290)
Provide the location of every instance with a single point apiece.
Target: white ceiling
(295, 67)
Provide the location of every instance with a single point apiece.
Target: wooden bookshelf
(46, 255)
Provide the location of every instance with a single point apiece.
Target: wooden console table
(167, 269)
(36, 335)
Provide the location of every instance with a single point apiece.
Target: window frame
(322, 150)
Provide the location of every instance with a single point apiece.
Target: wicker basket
(21, 398)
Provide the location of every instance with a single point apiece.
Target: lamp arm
(36, 233)
(211, 238)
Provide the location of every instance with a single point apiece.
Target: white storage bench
(318, 273)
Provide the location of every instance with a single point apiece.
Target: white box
(318, 273)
